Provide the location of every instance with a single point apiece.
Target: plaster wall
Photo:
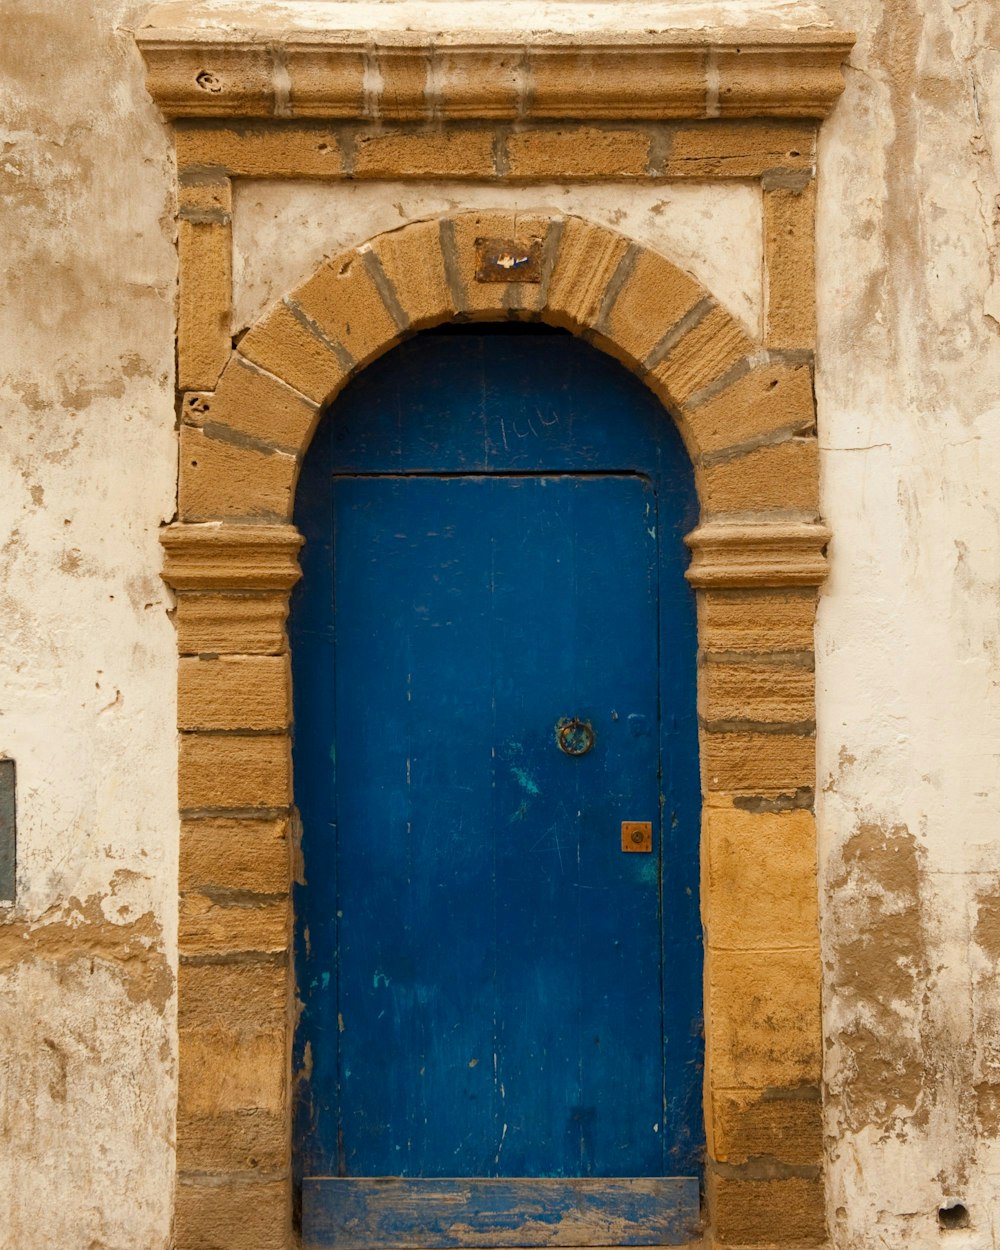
(909, 629)
(282, 230)
(86, 683)
(908, 647)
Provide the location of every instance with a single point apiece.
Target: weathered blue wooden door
(494, 672)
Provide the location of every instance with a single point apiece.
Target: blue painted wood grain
(466, 913)
(365, 1214)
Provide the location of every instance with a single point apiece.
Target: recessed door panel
(499, 957)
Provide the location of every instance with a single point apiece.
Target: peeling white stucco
(908, 643)
(282, 230)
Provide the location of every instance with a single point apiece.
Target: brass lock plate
(637, 835)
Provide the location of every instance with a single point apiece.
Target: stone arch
(746, 414)
(747, 417)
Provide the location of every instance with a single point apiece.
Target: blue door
(497, 936)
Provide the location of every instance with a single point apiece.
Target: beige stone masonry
(554, 151)
(238, 1211)
(234, 859)
(790, 1209)
(572, 152)
(233, 692)
(782, 477)
(757, 622)
(214, 928)
(758, 689)
(204, 245)
(758, 554)
(789, 260)
(266, 92)
(774, 1040)
(760, 878)
(231, 622)
(747, 415)
(250, 402)
(766, 398)
(464, 153)
(745, 1124)
(414, 265)
(217, 557)
(251, 60)
(231, 771)
(214, 472)
(745, 759)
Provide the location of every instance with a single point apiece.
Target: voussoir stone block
(769, 397)
(492, 300)
(413, 264)
(711, 347)
(653, 299)
(286, 345)
(343, 300)
(256, 404)
(587, 260)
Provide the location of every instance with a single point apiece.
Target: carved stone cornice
(360, 60)
(226, 556)
(758, 554)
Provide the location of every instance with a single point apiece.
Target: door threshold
(376, 1213)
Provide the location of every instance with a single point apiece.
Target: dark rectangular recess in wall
(7, 836)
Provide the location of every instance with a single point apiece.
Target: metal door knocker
(574, 736)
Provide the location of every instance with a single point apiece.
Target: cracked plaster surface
(908, 644)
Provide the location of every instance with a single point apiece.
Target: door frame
(713, 107)
(756, 581)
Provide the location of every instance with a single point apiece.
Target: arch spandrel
(730, 397)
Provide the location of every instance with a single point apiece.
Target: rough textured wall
(908, 651)
(909, 661)
(282, 230)
(86, 664)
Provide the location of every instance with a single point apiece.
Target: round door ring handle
(575, 736)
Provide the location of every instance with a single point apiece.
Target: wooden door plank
(579, 1069)
(418, 1214)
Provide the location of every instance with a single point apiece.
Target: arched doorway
(494, 675)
